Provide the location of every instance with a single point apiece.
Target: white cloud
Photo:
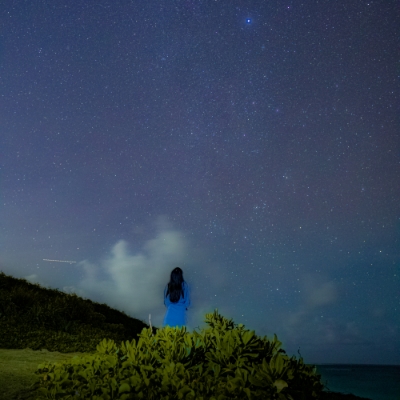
(32, 278)
(134, 283)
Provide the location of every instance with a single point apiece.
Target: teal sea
(375, 382)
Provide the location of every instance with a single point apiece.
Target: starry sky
(255, 144)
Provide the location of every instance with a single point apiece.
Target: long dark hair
(175, 285)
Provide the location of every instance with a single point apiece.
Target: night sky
(255, 144)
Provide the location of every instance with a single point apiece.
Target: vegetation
(224, 361)
(124, 359)
(39, 318)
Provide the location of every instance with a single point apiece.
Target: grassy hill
(38, 318)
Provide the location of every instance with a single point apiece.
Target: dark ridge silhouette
(33, 316)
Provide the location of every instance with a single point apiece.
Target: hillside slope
(38, 318)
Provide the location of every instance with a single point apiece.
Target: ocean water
(375, 382)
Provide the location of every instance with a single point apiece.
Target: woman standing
(176, 299)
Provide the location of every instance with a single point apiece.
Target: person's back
(176, 299)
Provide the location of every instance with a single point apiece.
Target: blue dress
(176, 312)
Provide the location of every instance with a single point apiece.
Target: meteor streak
(64, 261)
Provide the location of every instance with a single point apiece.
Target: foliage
(36, 317)
(224, 361)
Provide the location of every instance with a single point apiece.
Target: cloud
(321, 295)
(134, 283)
(335, 332)
(317, 294)
(314, 324)
(318, 291)
(33, 279)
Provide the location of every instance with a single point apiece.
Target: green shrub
(224, 361)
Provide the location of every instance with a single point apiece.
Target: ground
(17, 369)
